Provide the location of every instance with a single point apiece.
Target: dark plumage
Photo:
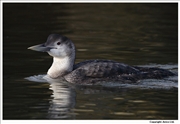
(93, 71)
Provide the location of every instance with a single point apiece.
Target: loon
(62, 49)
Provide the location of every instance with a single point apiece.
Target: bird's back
(92, 71)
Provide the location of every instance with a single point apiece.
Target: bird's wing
(103, 68)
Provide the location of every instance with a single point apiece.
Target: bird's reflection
(63, 100)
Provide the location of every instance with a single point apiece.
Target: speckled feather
(92, 71)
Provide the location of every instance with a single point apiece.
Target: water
(135, 34)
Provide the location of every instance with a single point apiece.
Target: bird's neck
(61, 66)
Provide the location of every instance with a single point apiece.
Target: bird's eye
(58, 43)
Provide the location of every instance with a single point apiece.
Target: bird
(63, 51)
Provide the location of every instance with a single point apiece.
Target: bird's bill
(40, 48)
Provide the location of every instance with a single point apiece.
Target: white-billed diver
(62, 50)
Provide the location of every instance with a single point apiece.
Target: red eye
(58, 43)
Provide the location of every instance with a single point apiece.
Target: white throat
(61, 66)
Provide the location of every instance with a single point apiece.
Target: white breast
(60, 67)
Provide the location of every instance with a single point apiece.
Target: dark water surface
(135, 34)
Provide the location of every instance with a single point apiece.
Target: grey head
(63, 51)
(57, 46)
